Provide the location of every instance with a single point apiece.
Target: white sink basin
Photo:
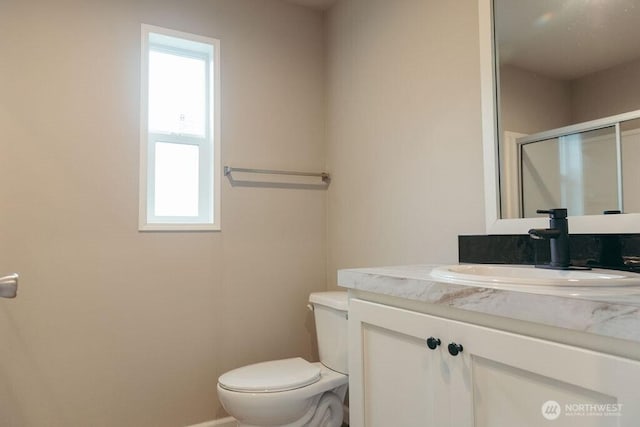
(538, 280)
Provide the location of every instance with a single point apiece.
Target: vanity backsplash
(616, 251)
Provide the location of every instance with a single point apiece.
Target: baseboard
(230, 422)
(222, 422)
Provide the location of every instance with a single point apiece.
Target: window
(180, 131)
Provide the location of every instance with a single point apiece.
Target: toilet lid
(276, 375)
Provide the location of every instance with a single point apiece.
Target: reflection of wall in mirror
(531, 103)
(606, 93)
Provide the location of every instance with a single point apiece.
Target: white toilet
(294, 392)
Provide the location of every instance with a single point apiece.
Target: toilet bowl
(292, 407)
(294, 392)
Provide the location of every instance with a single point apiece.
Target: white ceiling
(567, 39)
(315, 4)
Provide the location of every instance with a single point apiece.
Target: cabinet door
(510, 378)
(394, 378)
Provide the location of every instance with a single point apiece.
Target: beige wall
(113, 327)
(404, 131)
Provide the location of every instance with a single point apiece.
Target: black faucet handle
(556, 213)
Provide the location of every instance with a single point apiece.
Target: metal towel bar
(326, 178)
(9, 286)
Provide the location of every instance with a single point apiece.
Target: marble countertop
(615, 316)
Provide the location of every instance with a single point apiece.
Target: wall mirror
(561, 112)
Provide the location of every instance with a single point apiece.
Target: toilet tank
(330, 312)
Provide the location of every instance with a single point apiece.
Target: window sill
(179, 227)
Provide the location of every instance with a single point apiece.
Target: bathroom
(114, 326)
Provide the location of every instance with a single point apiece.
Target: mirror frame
(625, 223)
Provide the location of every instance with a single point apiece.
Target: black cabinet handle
(433, 343)
(454, 349)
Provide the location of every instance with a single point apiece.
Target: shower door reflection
(580, 172)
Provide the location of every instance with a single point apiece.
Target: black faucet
(558, 236)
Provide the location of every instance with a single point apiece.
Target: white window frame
(209, 145)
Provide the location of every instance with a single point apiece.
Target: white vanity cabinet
(499, 379)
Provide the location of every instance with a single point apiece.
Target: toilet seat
(270, 377)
